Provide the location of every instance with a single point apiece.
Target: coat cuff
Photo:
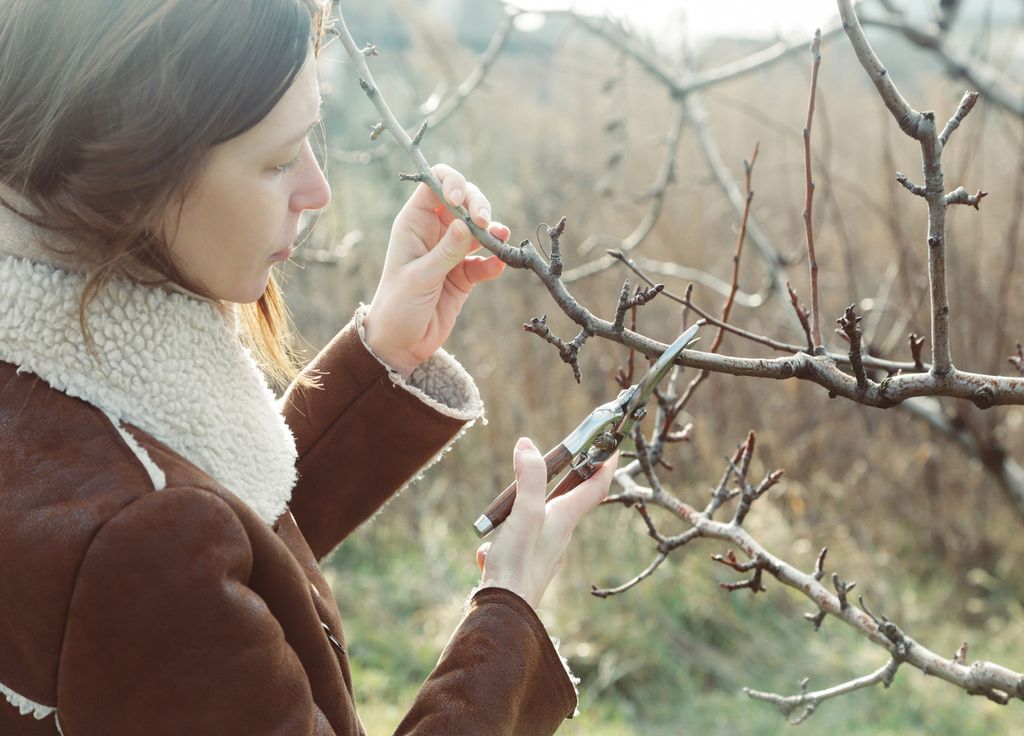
(366, 432)
(567, 685)
(440, 381)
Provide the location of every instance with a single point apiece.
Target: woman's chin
(250, 292)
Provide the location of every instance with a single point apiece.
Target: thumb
(450, 250)
(527, 515)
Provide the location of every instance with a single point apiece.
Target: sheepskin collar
(168, 363)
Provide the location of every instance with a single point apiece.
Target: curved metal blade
(662, 366)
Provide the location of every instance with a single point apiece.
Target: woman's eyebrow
(305, 134)
(300, 136)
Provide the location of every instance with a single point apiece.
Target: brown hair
(108, 109)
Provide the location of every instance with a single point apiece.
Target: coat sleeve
(499, 675)
(165, 637)
(366, 432)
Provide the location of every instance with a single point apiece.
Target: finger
(481, 555)
(477, 205)
(476, 270)
(449, 252)
(571, 507)
(453, 184)
(500, 231)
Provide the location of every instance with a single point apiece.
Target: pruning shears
(588, 446)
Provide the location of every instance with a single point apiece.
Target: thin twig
(812, 262)
(451, 104)
(921, 127)
(989, 679)
(748, 169)
(809, 702)
(803, 314)
(850, 328)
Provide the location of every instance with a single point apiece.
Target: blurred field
(929, 537)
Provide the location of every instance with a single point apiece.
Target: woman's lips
(282, 255)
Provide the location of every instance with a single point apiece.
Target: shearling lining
(167, 363)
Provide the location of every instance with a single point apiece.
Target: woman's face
(242, 215)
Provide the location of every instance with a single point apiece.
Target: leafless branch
(970, 99)
(774, 262)
(909, 185)
(993, 83)
(748, 168)
(921, 127)
(442, 111)
(643, 267)
(962, 196)
(807, 702)
(803, 314)
(914, 384)
(812, 261)
(627, 302)
(849, 327)
(916, 343)
(569, 352)
(989, 679)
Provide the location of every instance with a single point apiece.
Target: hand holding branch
(429, 271)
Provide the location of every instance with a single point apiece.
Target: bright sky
(787, 18)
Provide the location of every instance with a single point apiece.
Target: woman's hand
(429, 272)
(527, 549)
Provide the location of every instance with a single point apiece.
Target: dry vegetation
(928, 535)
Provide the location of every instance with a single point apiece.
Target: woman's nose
(313, 192)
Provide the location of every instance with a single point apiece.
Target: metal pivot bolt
(606, 441)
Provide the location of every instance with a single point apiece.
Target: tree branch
(451, 104)
(809, 702)
(812, 261)
(996, 682)
(921, 127)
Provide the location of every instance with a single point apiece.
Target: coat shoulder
(66, 471)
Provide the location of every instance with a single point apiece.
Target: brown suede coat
(178, 611)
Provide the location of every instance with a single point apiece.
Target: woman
(161, 514)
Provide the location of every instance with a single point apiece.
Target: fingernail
(524, 443)
(485, 215)
(455, 197)
(460, 230)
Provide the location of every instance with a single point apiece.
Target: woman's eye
(290, 165)
(294, 162)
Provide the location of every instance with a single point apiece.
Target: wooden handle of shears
(501, 507)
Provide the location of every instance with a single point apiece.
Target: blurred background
(923, 516)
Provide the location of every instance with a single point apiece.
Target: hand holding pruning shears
(595, 439)
(527, 550)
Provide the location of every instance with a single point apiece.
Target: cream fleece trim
(555, 642)
(440, 381)
(26, 706)
(156, 475)
(170, 364)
